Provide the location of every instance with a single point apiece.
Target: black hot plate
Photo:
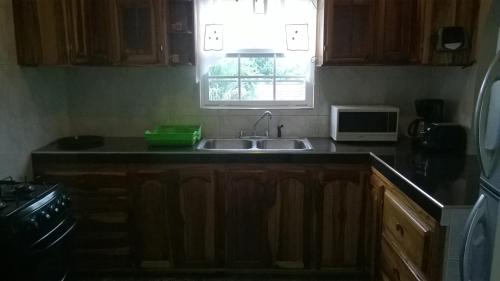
(80, 142)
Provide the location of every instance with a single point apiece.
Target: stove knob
(32, 224)
(54, 208)
(45, 215)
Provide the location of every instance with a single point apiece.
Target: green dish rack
(168, 135)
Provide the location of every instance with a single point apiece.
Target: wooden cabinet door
(92, 30)
(150, 219)
(443, 13)
(142, 31)
(398, 25)
(349, 31)
(40, 32)
(374, 204)
(191, 205)
(290, 217)
(341, 218)
(100, 203)
(247, 202)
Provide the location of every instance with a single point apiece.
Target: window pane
(223, 89)
(291, 67)
(257, 89)
(224, 67)
(257, 66)
(291, 89)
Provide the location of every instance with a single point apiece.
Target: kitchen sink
(286, 144)
(229, 144)
(255, 144)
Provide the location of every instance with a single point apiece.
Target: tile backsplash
(127, 101)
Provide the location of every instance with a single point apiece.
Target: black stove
(36, 223)
(15, 196)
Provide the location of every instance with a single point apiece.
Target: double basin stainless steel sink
(255, 144)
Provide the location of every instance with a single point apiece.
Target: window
(256, 53)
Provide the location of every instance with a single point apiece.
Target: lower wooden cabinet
(150, 223)
(247, 202)
(270, 217)
(174, 218)
(341, 214)
(290, 217)
(192, 207)
(393, 266)
(102, 210)
(413, 242)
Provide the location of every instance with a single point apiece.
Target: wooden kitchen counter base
(321, 212)
(268, 218)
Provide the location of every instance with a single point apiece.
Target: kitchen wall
(127, 101)
(33, 104)
(41, 104)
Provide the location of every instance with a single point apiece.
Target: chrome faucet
(267, 113)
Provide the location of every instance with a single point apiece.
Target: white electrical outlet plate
(214, 37)
(297, 37)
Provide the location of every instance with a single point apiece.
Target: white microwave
(364, 123)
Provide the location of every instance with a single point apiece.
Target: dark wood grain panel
(92, 29)
(341, 214)
(192, 207)
(40, 32)
(247, 201)
(150, 219)
(290, 217)
(100, 202)
(349, 31)
(464, 13)
(142, 31)
(396, 30)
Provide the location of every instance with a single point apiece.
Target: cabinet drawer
(394, 267)
(412, 235)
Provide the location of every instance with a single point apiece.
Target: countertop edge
(412, 190)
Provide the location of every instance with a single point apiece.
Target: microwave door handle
(479, 121)
(472, 221)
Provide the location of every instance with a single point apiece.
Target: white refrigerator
(480, 257)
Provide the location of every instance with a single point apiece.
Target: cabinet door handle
(161, 48)
(396, 273)
(400, 229)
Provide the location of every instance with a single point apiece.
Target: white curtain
(286, 27)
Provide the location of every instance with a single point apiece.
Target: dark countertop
(436, 181)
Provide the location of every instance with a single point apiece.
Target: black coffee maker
(429, 111)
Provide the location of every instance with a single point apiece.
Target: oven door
(49, 259)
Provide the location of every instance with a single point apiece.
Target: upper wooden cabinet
(40, 32)
(453, 13)
(90, 27)
(104, 32)
(142, 31)
(349, 31)
(396, 31)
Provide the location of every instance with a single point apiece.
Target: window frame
(308, 103)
